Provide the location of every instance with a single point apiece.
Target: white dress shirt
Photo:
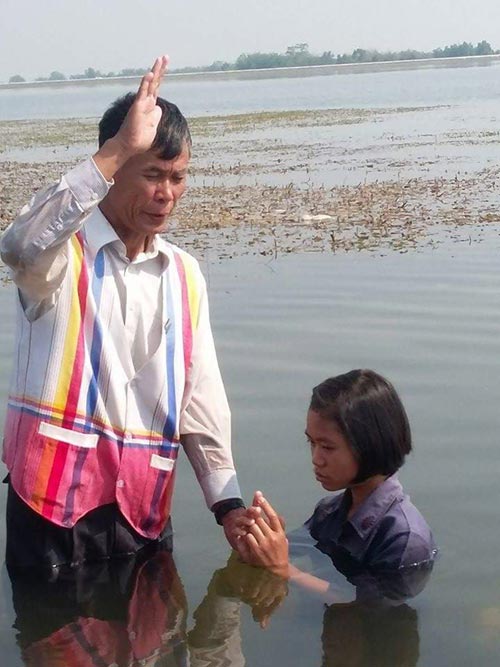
(34, 247)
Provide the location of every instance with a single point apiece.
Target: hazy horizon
(38, 38)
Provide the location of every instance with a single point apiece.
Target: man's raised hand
(138, 130)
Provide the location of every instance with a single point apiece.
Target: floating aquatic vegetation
(252, 193)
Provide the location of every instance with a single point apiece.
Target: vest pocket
(161, 462)
(64, 486)
(153, 473)
(86, 440)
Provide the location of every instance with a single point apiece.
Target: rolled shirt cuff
(220, 485)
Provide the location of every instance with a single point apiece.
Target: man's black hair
(172, 134)
(368, 412)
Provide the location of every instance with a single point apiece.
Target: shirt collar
(99, 233)
(373, 509)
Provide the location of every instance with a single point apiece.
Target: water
(428, 320)
(198, 98)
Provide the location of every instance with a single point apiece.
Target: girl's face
(334, 463)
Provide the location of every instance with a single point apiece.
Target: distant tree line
(89, 73)
(297, 55)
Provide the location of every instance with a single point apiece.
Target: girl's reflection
(377, 628)
(356, 635)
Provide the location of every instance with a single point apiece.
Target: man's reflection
(122, 613)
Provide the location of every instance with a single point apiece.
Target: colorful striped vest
(82, 432)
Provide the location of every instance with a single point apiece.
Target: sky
(39, 36)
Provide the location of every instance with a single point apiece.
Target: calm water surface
(450, 125)
(199, 98)
(429, 320)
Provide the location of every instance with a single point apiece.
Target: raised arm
(34, 245)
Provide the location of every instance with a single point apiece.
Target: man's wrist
(111, 156)
(223, 507)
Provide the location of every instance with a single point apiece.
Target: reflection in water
(216, 638)
(368, 584)
(385, 586)
(123, 613)
(132, 612)
(357, 635)
(488, 621)
(377, 629)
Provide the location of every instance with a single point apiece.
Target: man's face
(145, 193)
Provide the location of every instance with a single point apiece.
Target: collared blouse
(386, 532)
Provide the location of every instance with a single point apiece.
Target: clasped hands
(259, 537)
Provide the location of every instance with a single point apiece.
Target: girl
(359, 436)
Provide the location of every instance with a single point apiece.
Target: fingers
(150, 82)
(243, 550)
(275, 522)
(253, 512)
(144, 86)
(241, 525)
(252, 543)
(256, 497)
(158, 71)
(154, 80)
(260, 529)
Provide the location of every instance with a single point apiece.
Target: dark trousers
(33, 541)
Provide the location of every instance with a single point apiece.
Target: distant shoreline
(277, 72)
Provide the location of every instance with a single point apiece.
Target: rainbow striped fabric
(81, 429)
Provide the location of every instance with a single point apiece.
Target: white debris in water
(315, 218)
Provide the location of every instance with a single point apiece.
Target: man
(115, 365)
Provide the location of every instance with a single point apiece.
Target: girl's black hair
(369, 413)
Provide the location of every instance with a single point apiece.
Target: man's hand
(235, 524)
(138, 130)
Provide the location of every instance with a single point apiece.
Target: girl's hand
(265, 543)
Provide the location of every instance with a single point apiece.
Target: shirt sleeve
(34, 245)
(205, 423)
(401, 550)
